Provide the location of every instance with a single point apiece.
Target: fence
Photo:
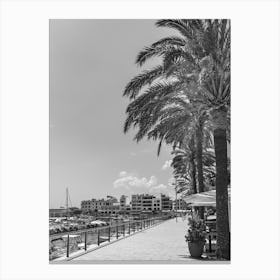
(64, 244)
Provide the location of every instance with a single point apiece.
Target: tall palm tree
(184, 167)
(200, 57)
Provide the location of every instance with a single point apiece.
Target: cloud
(129, 183)
(158, 189)
(122, 174)
(167, 164)
(164, 189)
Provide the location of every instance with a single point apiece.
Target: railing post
(109, 233)
(85, 240)
(98, 235)
(68, 246)
(210, 245)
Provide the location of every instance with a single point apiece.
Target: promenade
(162, 243)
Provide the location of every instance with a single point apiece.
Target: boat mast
(67, 208)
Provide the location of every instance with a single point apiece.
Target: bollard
(85, 240)
(109, 233)
(98, 240)
(123, 229)
(117, 232)
(67, 253)
(128, 228)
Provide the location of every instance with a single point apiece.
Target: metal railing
(67, 243)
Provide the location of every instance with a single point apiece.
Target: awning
(207, 199)
(203, 198)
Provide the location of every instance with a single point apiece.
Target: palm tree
(200, 59)
(184, 167)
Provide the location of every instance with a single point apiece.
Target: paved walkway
(164, 242)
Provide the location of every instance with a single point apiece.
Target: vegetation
(196, 230)
(185, 102)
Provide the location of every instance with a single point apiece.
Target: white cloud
(157, 190)
(122, 174)
(167, 164)
(129, 183)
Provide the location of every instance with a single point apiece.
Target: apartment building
(86, 206)
(156, 204)
(166, 202)
(136, 203)
(150, 203)
(139, 203)
(110, 204)
(123, 202)
(147, 202)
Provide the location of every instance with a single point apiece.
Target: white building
(156, 206)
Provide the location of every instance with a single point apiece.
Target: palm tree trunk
(223, 235)
(199, 166)
(193, 175)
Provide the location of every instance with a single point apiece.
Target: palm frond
(177, 24)
(149, 52)
(171, 41)
(138, 82)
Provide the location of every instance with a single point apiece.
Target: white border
(255, 137)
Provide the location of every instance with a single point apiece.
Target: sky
(91, 61)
